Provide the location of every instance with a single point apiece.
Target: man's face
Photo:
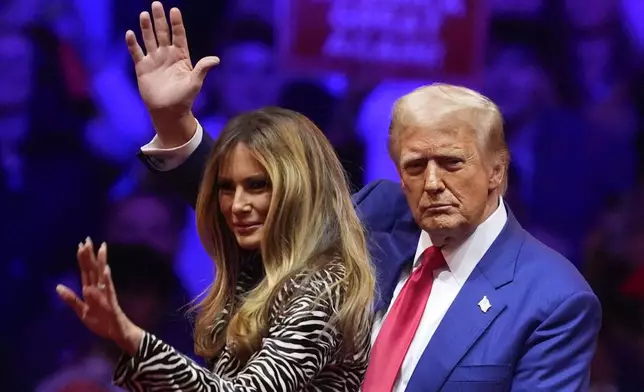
(247, 78)
(447, 178)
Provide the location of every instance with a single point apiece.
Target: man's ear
(499, 171)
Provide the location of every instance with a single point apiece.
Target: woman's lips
(246, 229)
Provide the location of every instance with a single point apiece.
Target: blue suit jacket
(538, 335)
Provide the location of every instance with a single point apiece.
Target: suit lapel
(390, 252)
(465, 321)
(462, 325)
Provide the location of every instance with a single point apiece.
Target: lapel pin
(485, 304)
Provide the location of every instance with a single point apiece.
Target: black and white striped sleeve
(299, 344)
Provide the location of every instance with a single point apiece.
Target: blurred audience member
(517, 8)
(55, 119)
(613, 268)
(633, 14)
(247, 77)
(43, 180)
(591, 14)
(151, 293)
(17, 63)
(545, 138)
(264, 9)
(89, 374)
(161, 223)
(372, 125)
(144, 218)
(336, 118)
(603, 372)
(599, 70)
(18, 13)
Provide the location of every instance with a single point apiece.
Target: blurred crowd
(568, 76)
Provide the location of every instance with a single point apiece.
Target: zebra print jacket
(301, 351)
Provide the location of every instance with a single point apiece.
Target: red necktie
(399, 328)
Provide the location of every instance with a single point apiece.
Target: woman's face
(244, 196)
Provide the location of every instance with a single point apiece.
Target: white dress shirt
(448, 281)
(170, 158)
(447, 284)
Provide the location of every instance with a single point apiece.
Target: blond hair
(429, 104)
(311, 221)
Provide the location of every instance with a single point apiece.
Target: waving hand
(98, 308)
(167, 81)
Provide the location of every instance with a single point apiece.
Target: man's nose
(433, 179)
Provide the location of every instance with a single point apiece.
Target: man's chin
(440, 224)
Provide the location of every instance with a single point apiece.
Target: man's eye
(415, 168)
(453, 163)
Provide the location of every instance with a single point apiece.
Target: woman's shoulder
(332, 273)
(321, 283)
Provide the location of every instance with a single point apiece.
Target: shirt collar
(462, 260)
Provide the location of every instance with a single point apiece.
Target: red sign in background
(389, 38)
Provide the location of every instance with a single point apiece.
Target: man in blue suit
(468, 299)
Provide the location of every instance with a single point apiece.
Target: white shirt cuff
(166, 159)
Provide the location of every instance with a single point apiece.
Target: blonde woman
(290, 307)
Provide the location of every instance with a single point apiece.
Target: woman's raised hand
(99, 309)
(167, 81)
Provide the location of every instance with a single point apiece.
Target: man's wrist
(174, 131)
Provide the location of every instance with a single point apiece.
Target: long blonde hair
(311, 220)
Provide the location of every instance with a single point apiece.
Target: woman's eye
(258, 184)
(225, 187)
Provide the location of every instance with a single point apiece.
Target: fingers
(88, 264)
(152, 42)
(84, 273)
(85, 264)
(109, 285)
(149, 41)
(160, 24)
(102, 257)
(71, 299)
(204, 65)
(95, 298)
(101, 264)
(179, 36)
(133, 46)
(103, 295)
